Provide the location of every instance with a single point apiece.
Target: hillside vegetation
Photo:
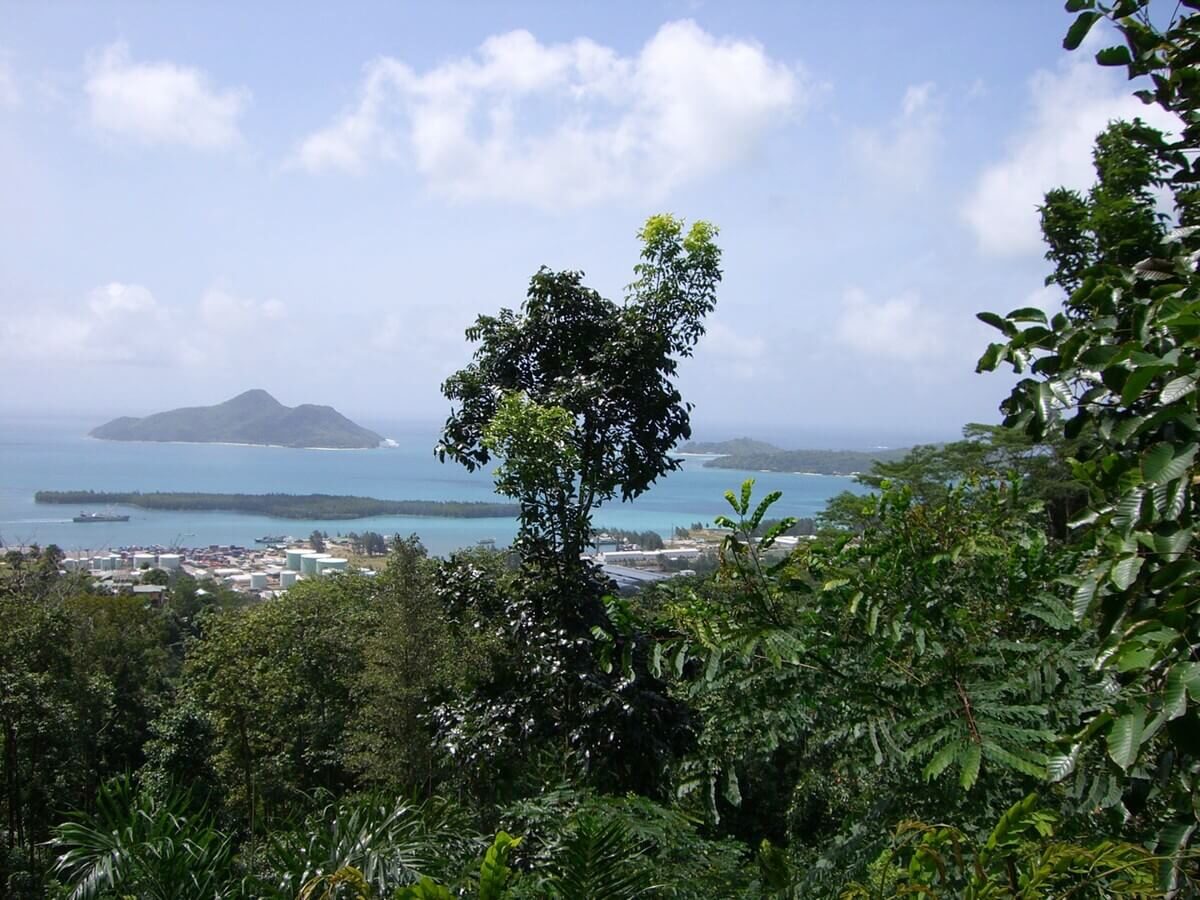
(284, 506)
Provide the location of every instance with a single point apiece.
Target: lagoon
(55, 454)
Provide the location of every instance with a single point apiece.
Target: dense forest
(284, 506)
(979, 680)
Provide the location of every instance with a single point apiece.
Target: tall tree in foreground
(576, 393)
(1121, 367)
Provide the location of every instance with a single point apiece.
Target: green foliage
(275, 684)
(387, 844)
(1119, 368)
(158, 849)
(1019, 859)
(584, 387)
(413, 659)
(883, 662)
(283, 506)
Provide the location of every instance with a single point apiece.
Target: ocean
(54, 453)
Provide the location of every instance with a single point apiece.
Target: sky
(317, 199)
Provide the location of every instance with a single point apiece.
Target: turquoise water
(55, 454)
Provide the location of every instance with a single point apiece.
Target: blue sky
(202, 198)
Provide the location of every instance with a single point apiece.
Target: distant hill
(254, 417)
(737, 445)
(759, 456)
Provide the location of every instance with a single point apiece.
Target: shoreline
(387, 444)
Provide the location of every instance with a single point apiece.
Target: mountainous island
(745, 453)
(254, 417)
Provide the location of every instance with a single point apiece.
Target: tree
(317, 540)
(1117, 224)
(576, 392)
(274, 683)
(1120, 368)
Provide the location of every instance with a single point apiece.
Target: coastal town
(267, 571)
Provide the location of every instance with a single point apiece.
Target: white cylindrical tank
(169, 561)
(71, 565)
(308, 562)
(98, 562)
(258, 580)
(143, 559)
(293, 558)
(331, 564)
(288, 578)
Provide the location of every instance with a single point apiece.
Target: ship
(100, 517)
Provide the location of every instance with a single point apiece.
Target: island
(757, 456)
(253, 417)
(284, 506)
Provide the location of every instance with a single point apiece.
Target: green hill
(735, 446)
(254, 417)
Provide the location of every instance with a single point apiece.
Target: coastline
(382, 446)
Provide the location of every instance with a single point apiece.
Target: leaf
(1074, 6)
(1114, 56)
(1178, 466)
(1027, 314)
(969, 761)
(1125, 572)
(1175, 692)
(1084, 595)
(494, 873)
(1156, 460)
(1125, 737)
(1177, 388)
(941, 760)
(1079, 30)
(1059, 767)
(999, 322)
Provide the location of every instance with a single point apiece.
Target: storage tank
(143, 559)
(308, 562)
(293, 557)
(98, 562)
(169, 561)
(331, 564)
(287, 579)
(258, 580)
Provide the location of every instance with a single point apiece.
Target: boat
(100, 517)
(271, 539)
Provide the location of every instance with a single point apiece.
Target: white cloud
(1070, 107)
(897, 328)
(161, 102)
(902, 154)
(118, 324)
(564, 125)
(126, 325)
(10, 95)
(222, 311)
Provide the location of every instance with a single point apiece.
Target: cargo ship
(100, 517)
